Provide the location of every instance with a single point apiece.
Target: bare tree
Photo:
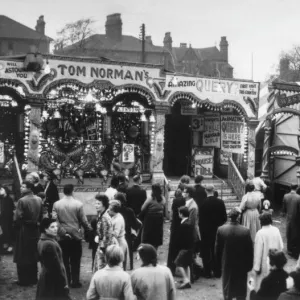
(74, 34)
(289, 66)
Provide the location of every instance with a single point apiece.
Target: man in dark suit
(291, 208)
(200, 193)
(185, 245)
(135, 195)
(212, 216)
(234, 257)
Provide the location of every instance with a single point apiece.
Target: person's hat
(210, 187)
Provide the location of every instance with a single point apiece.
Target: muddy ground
(202, 289)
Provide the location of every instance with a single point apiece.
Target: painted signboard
(211, 134)
(198, 123)
(224, 157)
(128, 153)
(232, 133)
(84, 71)
(203, 161)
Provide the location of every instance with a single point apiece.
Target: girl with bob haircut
(152, 281)
(111, 282)
(53, 282)
(275, 283)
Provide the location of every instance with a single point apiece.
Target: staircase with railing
(235, 179)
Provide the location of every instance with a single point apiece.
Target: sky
(261, 29)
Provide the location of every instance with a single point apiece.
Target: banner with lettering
(232, 134)
(128, 153)
(203, 161)
(224, 157)
(211, 134)
(217, 90)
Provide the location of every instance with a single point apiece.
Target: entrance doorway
(177, 143)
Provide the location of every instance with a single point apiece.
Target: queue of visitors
(50, 230)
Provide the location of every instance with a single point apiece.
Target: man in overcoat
(234, 257)
(27, 217)
(51, 191)
(291, 208)
(212, 216)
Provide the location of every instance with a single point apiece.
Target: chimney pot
(113, 27)
(40, 25)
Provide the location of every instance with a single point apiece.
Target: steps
(225, 191)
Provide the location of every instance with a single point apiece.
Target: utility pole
(142, 37)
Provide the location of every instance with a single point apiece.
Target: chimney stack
(183, 45)
(40, 25)
(149, 39)
(168, 41)
(113, 27)
(284, 67)
(224, 49)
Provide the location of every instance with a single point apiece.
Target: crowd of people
(50, 230)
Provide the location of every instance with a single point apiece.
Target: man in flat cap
(212, 215)
(234, 257)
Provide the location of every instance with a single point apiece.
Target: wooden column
(267, 144)
(252, 124)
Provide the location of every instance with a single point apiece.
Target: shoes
(183, 286)
(76, 285)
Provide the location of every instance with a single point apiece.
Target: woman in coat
(53, 283)
(152, 215)
(250, 207)
(266, 238)
(104, 237)
(6, 218)
(275, 283)
(173, 251)
(111, 282)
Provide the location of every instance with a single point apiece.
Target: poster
(2, 159)
(203, 161)
(197, 123)
(128, 153)
(224, 157)
(232, 133)
(211, 134)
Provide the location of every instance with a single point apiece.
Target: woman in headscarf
(152, 215)
(118, 227)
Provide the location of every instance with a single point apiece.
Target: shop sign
(198, 123)
(2, 157)
(128, 153)
(14, 70)
(211, 134)
(203, 161)
(232, 133)
(188, 110)
(224, 157)
(125, 109)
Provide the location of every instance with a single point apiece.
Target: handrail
(235, 179)
(166, 195)
(17, 177)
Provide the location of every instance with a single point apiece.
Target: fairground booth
(278, 138)
(76, 116)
